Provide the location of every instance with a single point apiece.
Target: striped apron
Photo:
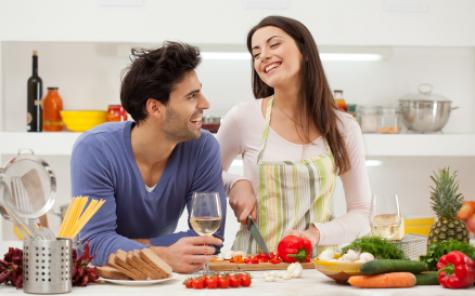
(291, 195)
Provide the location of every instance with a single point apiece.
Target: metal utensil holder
(47, 266)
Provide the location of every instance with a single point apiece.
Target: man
(147, 170)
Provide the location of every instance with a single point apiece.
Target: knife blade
(257, 235)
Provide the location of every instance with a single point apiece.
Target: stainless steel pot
(425, 112)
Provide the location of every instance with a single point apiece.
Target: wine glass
(386, 220)
(205, 216)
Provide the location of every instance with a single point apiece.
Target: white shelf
(420, 145)
(41, 143)
(376, 144)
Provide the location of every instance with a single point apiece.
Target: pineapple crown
(445, 198)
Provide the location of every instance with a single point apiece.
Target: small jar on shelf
(52, 106)
(369, 117)
(389, 121)
(116, 113)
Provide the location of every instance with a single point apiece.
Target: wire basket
(47, 266)
(413, 246)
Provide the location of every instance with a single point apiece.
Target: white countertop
(312, 282)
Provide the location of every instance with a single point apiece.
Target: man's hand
(242, 200)
(189, 254)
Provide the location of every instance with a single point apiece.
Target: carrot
(384, 280)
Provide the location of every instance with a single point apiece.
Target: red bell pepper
(293, 248)
(456, 270)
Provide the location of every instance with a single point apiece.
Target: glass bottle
(52, 106)
(34, 95)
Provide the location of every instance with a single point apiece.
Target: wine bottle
(34, 95)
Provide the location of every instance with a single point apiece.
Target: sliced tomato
(275, 260)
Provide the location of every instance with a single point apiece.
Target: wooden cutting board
(228, 266)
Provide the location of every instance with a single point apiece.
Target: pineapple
(446, 201)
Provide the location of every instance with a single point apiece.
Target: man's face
(184, 111)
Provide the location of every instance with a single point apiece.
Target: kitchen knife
(257, 235)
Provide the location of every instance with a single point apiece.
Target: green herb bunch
(439, 249)
(379, 247)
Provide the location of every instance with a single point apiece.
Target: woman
(294, 143)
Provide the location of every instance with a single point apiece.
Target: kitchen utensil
(425, 112)
(257, 235)
(29, 187)
(47, 266)
(8, 213)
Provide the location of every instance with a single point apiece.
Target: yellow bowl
(340, 271)
(82, 120)
(419, 226)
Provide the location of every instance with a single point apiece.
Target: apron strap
(265, 133)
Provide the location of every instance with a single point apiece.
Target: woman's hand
(243, 200)
(312, 234)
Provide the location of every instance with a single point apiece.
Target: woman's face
(277, 58)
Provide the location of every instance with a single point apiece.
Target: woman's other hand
(312, 234)
(243, 200)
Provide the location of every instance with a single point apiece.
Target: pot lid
(425, 94)
(27, 186)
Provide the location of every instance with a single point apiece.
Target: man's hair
(154, 73)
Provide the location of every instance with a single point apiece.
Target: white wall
(334, 22)
(422, 41)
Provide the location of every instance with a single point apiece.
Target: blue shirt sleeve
(91, 175)
(206, 178)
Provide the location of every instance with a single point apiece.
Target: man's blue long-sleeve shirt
(103, 166)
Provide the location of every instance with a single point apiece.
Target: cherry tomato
(188, 283)
(255, 260)
(223, 281)
(198, 283)
(211, 282)
(234, 280)
(245, 279)
(247, 260)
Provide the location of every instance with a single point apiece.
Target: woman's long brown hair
(315, 96)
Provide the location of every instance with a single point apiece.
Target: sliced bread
(160, 266)
(110, 272)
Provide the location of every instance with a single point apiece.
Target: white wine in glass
(386, 220)
(205, 216)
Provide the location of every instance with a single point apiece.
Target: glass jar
(116, 113)
(370, 117)
(389, 121)
(52, 107)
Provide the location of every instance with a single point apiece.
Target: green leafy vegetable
(379, 247)
(439, 249)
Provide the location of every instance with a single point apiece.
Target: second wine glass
(386, 220)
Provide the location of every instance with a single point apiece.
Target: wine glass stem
(205, 267)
